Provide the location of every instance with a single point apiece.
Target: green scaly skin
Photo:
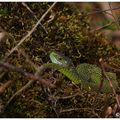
(68, 68)
(87, 75)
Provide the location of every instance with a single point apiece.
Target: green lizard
(87, 75)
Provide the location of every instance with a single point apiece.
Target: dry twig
(29, 33)
(102, 27)
(115, 19)
(30, 82)
(29, 75)
(110, 82)
(27, 58)
(68, 97)
(111, 68)
(96, 12)
(78, 109)
(28, 8)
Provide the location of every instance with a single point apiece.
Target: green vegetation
(68, 33)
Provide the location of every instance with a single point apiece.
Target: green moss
(69, 33)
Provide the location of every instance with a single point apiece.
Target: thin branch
(68, 97)
(28, 8)
(29, 75)
(30, 32)
(29, 83)
(96, 12)
(21, 71)
(111, 68)
(72, 109)
(18, 92)
(108, 13)
(27, 58)
(115, 19)
(78, 109)
(110, 82)
(102, 27)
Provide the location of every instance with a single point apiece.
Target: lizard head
(60, 59)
